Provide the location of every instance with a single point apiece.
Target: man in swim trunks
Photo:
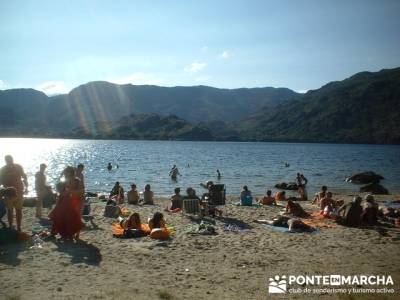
(41, 189)
(10, 176)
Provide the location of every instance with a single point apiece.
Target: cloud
(3, 85)
(53, 87)
(204, 49)
(137, 79)
(195, 67)
(225, 55)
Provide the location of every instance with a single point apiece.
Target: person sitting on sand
(190, 194)
(280, 196)
(157, 221)
(176, 201)
(117, 192)
(295, 209)
(148, 195)
(350, 214)
(370, 211)
(246, 199)
(320, 195)
(326, 201)
(6, 194)
(268, 199)
(133, 195)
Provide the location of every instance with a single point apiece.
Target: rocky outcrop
(365, 177)
(292, 186)
(374, 188)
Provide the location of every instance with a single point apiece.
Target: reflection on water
(259, 165)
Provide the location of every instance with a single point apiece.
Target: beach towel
(317, 220)
(286, 229)
(119, 232)
(235, 228)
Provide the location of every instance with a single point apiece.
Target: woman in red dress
(66, 215)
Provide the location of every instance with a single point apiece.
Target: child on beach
(246, 199)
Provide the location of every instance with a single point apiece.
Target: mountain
(101, 101)
(364, 108)
(146, 127)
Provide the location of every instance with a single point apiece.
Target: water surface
(258, 165)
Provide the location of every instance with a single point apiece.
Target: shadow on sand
(80, 251)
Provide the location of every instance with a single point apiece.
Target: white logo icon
(277, 285)
(335, 280)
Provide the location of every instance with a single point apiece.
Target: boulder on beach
(287, 186)
(374, 188)
(365, 177)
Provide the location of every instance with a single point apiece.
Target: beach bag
(112, 211)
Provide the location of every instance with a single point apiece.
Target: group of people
(117, 194)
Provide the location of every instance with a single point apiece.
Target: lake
(258, 165)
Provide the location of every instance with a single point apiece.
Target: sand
(224, 266)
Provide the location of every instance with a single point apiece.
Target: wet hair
(8, 192)
(147, 187)
(177, 190)
(324, 188)
(269, 192)
(157, 218)
(245, 188)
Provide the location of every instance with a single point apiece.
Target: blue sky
(55, 46)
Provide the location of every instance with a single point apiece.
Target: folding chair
(191, 206)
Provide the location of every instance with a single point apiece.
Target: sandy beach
(228, 265)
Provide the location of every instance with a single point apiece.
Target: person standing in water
(109, 167)
(79, 174)
(174, 173)
(219, 175)
(10, 176)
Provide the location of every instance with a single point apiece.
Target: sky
(54, 46)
